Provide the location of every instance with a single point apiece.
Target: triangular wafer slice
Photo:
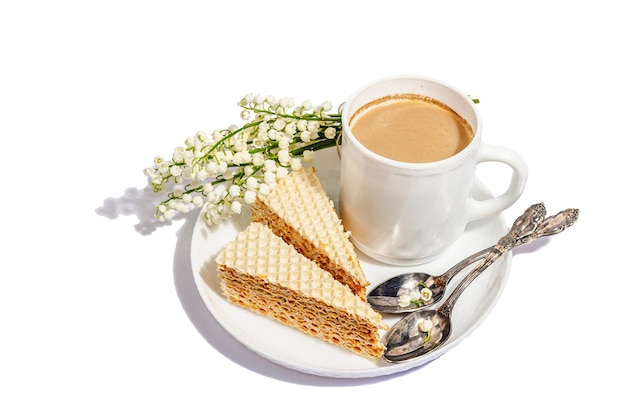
(299, 210)
(261, 272)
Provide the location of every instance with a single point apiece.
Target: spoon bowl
(411, 342)
(384, 297)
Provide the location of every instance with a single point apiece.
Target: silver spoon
(423, 331)
(386, 297)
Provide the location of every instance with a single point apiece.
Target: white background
(96, 298)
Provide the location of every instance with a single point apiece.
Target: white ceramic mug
(408, 213)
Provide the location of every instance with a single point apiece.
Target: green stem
(314, 146)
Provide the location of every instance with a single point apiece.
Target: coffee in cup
(411, 128)
(406, 196)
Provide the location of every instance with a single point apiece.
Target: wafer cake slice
(261, 272)
(299, 211)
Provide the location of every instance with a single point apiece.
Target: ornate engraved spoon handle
(528, 227)
(555, 224)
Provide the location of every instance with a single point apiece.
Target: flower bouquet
(222, 171)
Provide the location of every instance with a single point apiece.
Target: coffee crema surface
(411, 128)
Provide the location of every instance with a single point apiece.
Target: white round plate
(290, 348)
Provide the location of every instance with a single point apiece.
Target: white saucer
(290, 348)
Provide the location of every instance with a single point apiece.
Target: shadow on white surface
(533, 246)
(141, 203)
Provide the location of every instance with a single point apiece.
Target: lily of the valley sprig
(227, 169)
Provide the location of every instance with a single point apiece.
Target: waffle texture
(299, 211)
(261, 272)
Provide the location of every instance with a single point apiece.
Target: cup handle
(491, 153)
